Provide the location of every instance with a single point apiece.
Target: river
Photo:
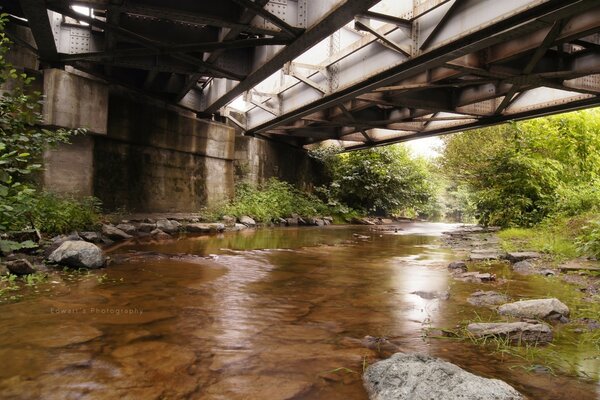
(266, 314)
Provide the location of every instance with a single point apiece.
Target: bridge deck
(362, 72)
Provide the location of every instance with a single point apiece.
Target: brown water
(270, 314)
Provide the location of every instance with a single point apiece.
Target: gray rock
(78, 254)
(246, 220)
(239, 227)
(457, 266)
(127, 228)
(114, 233)
(362, 221)
(551, 309)
(158, 234)
(485, 255)
(429, 294)
(523, 267)
(20, 267)
(487, 298)
(293, 221)
(522, 255)
(476, 277)
(228, 220)
(546, 272)
(328, 219)
(421, 377)
(513, 331)
(168, 225)
(58, 240)
(146, 227)
(205, 228)
(92, 237)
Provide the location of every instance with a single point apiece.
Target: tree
(22, 141)
(384, 180)
(517, 174)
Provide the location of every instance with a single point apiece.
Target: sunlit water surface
(269, 314)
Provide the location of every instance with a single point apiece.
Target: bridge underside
(361, 72)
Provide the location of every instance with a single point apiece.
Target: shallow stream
(268, 314)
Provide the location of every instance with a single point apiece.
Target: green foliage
(54, 214)
(521, 173)
(274, 199)
(384, 180)
(588, 242)
(22, 142)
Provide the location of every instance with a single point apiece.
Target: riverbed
(268, 314)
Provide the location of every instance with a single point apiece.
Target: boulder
(158, 234)
(92, 237)
(58, 240)
(20, 267)
(246, 220)
(328, 219)
(432, 294)
(457, 266)
(292, 221)
(523, 267)
(513, 331)
(78, 254)
(114, 233)
(146, 227)
(228, 220)
(550, 309)
(421, 377)
(522, 255)
(168, 225)
(205, 228)
(547, 272)
(239, 227)
(127, 228)
(362, 221)
(487, 298)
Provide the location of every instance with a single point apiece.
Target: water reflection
(278, 314)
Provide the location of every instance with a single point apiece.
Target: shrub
(271, 200)
(55, 214)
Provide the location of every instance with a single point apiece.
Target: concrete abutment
(142, 155)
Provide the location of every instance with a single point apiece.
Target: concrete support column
(72, 101)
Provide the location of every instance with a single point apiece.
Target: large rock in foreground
(78, 254)
(549, 309)
(420, 377)
(513, 331)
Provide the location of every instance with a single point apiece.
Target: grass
(558, 237)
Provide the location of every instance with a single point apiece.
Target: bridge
(363, 72)
(183, 97)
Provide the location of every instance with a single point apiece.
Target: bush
(588, 242)
(54, 214)
(383, 180)
(274, 199)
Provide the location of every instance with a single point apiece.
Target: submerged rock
(550, 309)
(20, 267)
(431, 294)
(487, 298)
(114, 233)
(421, 377)
(476, 277)
(78, 254)
(523, 267)
(513, 331)
(379, 344)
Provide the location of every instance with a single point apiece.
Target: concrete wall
(257, 160)
(157, 160)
